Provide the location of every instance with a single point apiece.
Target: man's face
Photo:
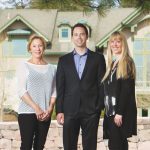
(79, 37)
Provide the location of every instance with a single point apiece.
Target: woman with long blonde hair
(119, 90)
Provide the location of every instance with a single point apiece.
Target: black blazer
(127, 106)
(124, 91)
(79, 95)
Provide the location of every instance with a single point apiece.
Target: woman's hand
(47, 115)
(28, 100)
(118, 120)
(39, 112)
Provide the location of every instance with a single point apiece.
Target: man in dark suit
(79, 99)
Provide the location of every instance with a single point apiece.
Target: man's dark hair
(79, 25)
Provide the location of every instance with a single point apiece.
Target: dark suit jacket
(127, 106)
(79, 95)
(124, 91)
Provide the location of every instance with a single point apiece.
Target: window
(138, 45)
(139, 67)
(147, 45)
(10, 74)
(144, 113)
(148, 71)
(65, 34)
(15, 47)
(19, 47)
(141, 51)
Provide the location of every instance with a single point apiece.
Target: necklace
(112, 73)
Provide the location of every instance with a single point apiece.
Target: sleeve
(60, 87)
(54, 84)
(101, 72)
(124, 92)
(21, 74)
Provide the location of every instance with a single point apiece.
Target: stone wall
(10, 137)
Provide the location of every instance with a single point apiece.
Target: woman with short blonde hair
(37, 92)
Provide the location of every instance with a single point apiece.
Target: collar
(75, 52)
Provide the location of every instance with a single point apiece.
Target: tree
(101, 6)
(14, 3)
(143, 4)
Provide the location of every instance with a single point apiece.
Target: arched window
(64, 32)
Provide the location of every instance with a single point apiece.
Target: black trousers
(33, 132)
(89, 127)
(117, 141)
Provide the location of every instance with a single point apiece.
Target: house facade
(16, 25)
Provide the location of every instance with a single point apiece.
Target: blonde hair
(126, 66)
(32, 38)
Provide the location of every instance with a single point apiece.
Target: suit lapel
(72, 64)
(86, 64)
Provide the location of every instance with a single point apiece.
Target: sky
(11, 3)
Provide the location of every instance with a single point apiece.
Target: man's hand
(118, 120)
(60, 118)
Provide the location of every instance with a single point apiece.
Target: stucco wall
(10, 137)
